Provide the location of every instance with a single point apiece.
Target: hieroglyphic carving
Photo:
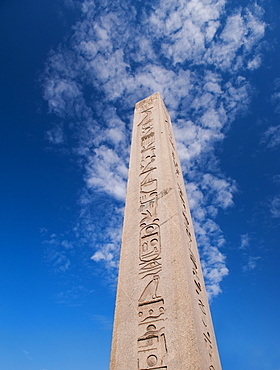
(196, 272)
(150, 242)
(150, 268)
(152, 348)
(150, 291)
(202, 307)
(151, 311)
(150, 203)
(176, 166)
(185, 214)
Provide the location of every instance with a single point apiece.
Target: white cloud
(112, 61)
(56, 253)
(106, 253)
(275, 207)
(220, 188)
(107, 171)
(248, 245)
(276, 95)
(254, 63)
(245, 241)
(56, 135)
(276, 179)
(251, 263)
(271, 137)
(61, 95)
(242, 31)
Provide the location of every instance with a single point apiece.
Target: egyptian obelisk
(162, 317)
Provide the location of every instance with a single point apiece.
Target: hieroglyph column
(162, 317)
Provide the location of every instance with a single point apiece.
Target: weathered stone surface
(162, 317)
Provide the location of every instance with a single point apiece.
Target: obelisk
(162, 317)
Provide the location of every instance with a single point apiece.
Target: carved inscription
(151, 341)
(150, 268)
(196, 272)
(156, 196)
(152, 349)
(148, 312)
(176, 166)
(150, 291)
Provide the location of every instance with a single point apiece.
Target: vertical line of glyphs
(152, 349)
(206, 327)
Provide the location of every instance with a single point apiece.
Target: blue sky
(71, 72)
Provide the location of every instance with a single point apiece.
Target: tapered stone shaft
(162, 317)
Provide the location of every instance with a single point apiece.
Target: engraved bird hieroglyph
(150, 292)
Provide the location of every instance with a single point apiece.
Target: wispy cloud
(103, 321)
(57, 252)
(249, 247)
(56, 135)
(73, 296)
(271, 137)
(27, 354)
(197, 55)
(276, 95)
(275, 206)
(251, 263)
(245, 241)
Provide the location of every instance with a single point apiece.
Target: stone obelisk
(162, 317)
